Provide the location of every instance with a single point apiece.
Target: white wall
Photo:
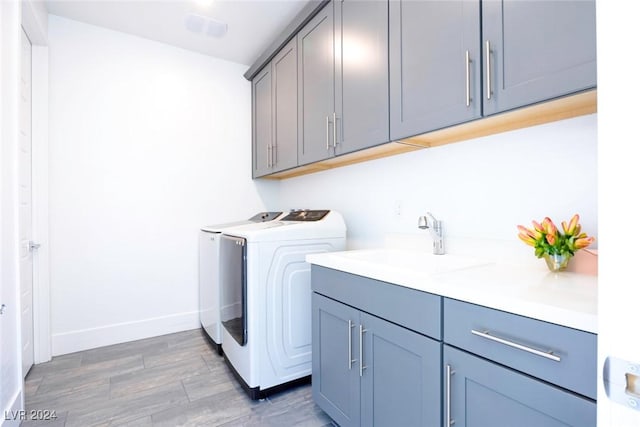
(480, 188)
(147, 143)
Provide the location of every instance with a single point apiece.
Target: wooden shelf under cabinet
(567, 107)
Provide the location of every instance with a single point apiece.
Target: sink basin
(418, 261)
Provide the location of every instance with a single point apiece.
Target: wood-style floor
(172, 380)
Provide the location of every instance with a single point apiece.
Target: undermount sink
(418, 261)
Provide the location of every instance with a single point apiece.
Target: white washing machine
(266, 330)
(209, 273)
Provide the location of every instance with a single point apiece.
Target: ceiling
(252, 25)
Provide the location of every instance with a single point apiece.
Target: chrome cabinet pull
(488, 60)
(269, 155)
(448, 421)
(351, 326)
(2, 308)
(468, 74)
(335, 130)
(327, 124)
(545, 354)
(274, 154)
(362, 367)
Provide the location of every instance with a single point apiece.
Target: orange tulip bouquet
(554, 246)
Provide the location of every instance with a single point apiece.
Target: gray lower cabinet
(482, 393)
(536, 50)
(386, 355)
(371, 372)
(503, 370)
(335, 379)
(435, 65)
(275, 109)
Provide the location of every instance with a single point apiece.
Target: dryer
(209, 271)
(266, 330)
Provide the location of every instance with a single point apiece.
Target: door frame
(36, 30)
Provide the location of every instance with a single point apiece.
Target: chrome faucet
(436, 231)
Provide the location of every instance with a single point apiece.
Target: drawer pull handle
(545, 354)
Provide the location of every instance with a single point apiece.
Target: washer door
(233, 281)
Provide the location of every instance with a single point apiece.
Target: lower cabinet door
(479, 393)
(335, 374)
(400, 381)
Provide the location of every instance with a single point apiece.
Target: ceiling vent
(205, 26)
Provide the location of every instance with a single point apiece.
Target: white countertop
(528, 289)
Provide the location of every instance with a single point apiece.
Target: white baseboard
(14, 413)
(85, 339)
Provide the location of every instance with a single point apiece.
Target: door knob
(33, 245)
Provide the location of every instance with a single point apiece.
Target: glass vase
(557, 262)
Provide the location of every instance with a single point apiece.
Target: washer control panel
(306, 215)
(265, 216)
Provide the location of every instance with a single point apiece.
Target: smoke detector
(204, 25)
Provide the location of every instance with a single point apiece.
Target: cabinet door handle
(488, 61)
(269, 155)
(468, 74)
(362, 367)
(546, 354)
(335, 130)
(327, 125)
(448, 421)
(351, 360)
(274, 154)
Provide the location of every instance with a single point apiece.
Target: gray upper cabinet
(262, 131)
(343, 80)
(284, 70)
(316, 55)
(275, 114)
(536, 50)
(362, 74)
(435, 64)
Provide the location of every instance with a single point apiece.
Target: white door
(24, 207)
(619, 210)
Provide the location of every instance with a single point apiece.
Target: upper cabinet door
(435, 63)
(316, 87)
(284, 69)
(536, 50)
(262, 124)
(362, 74)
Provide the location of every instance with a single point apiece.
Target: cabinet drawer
(525, 344)
(415, 310)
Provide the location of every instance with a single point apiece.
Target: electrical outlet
(397, 208)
